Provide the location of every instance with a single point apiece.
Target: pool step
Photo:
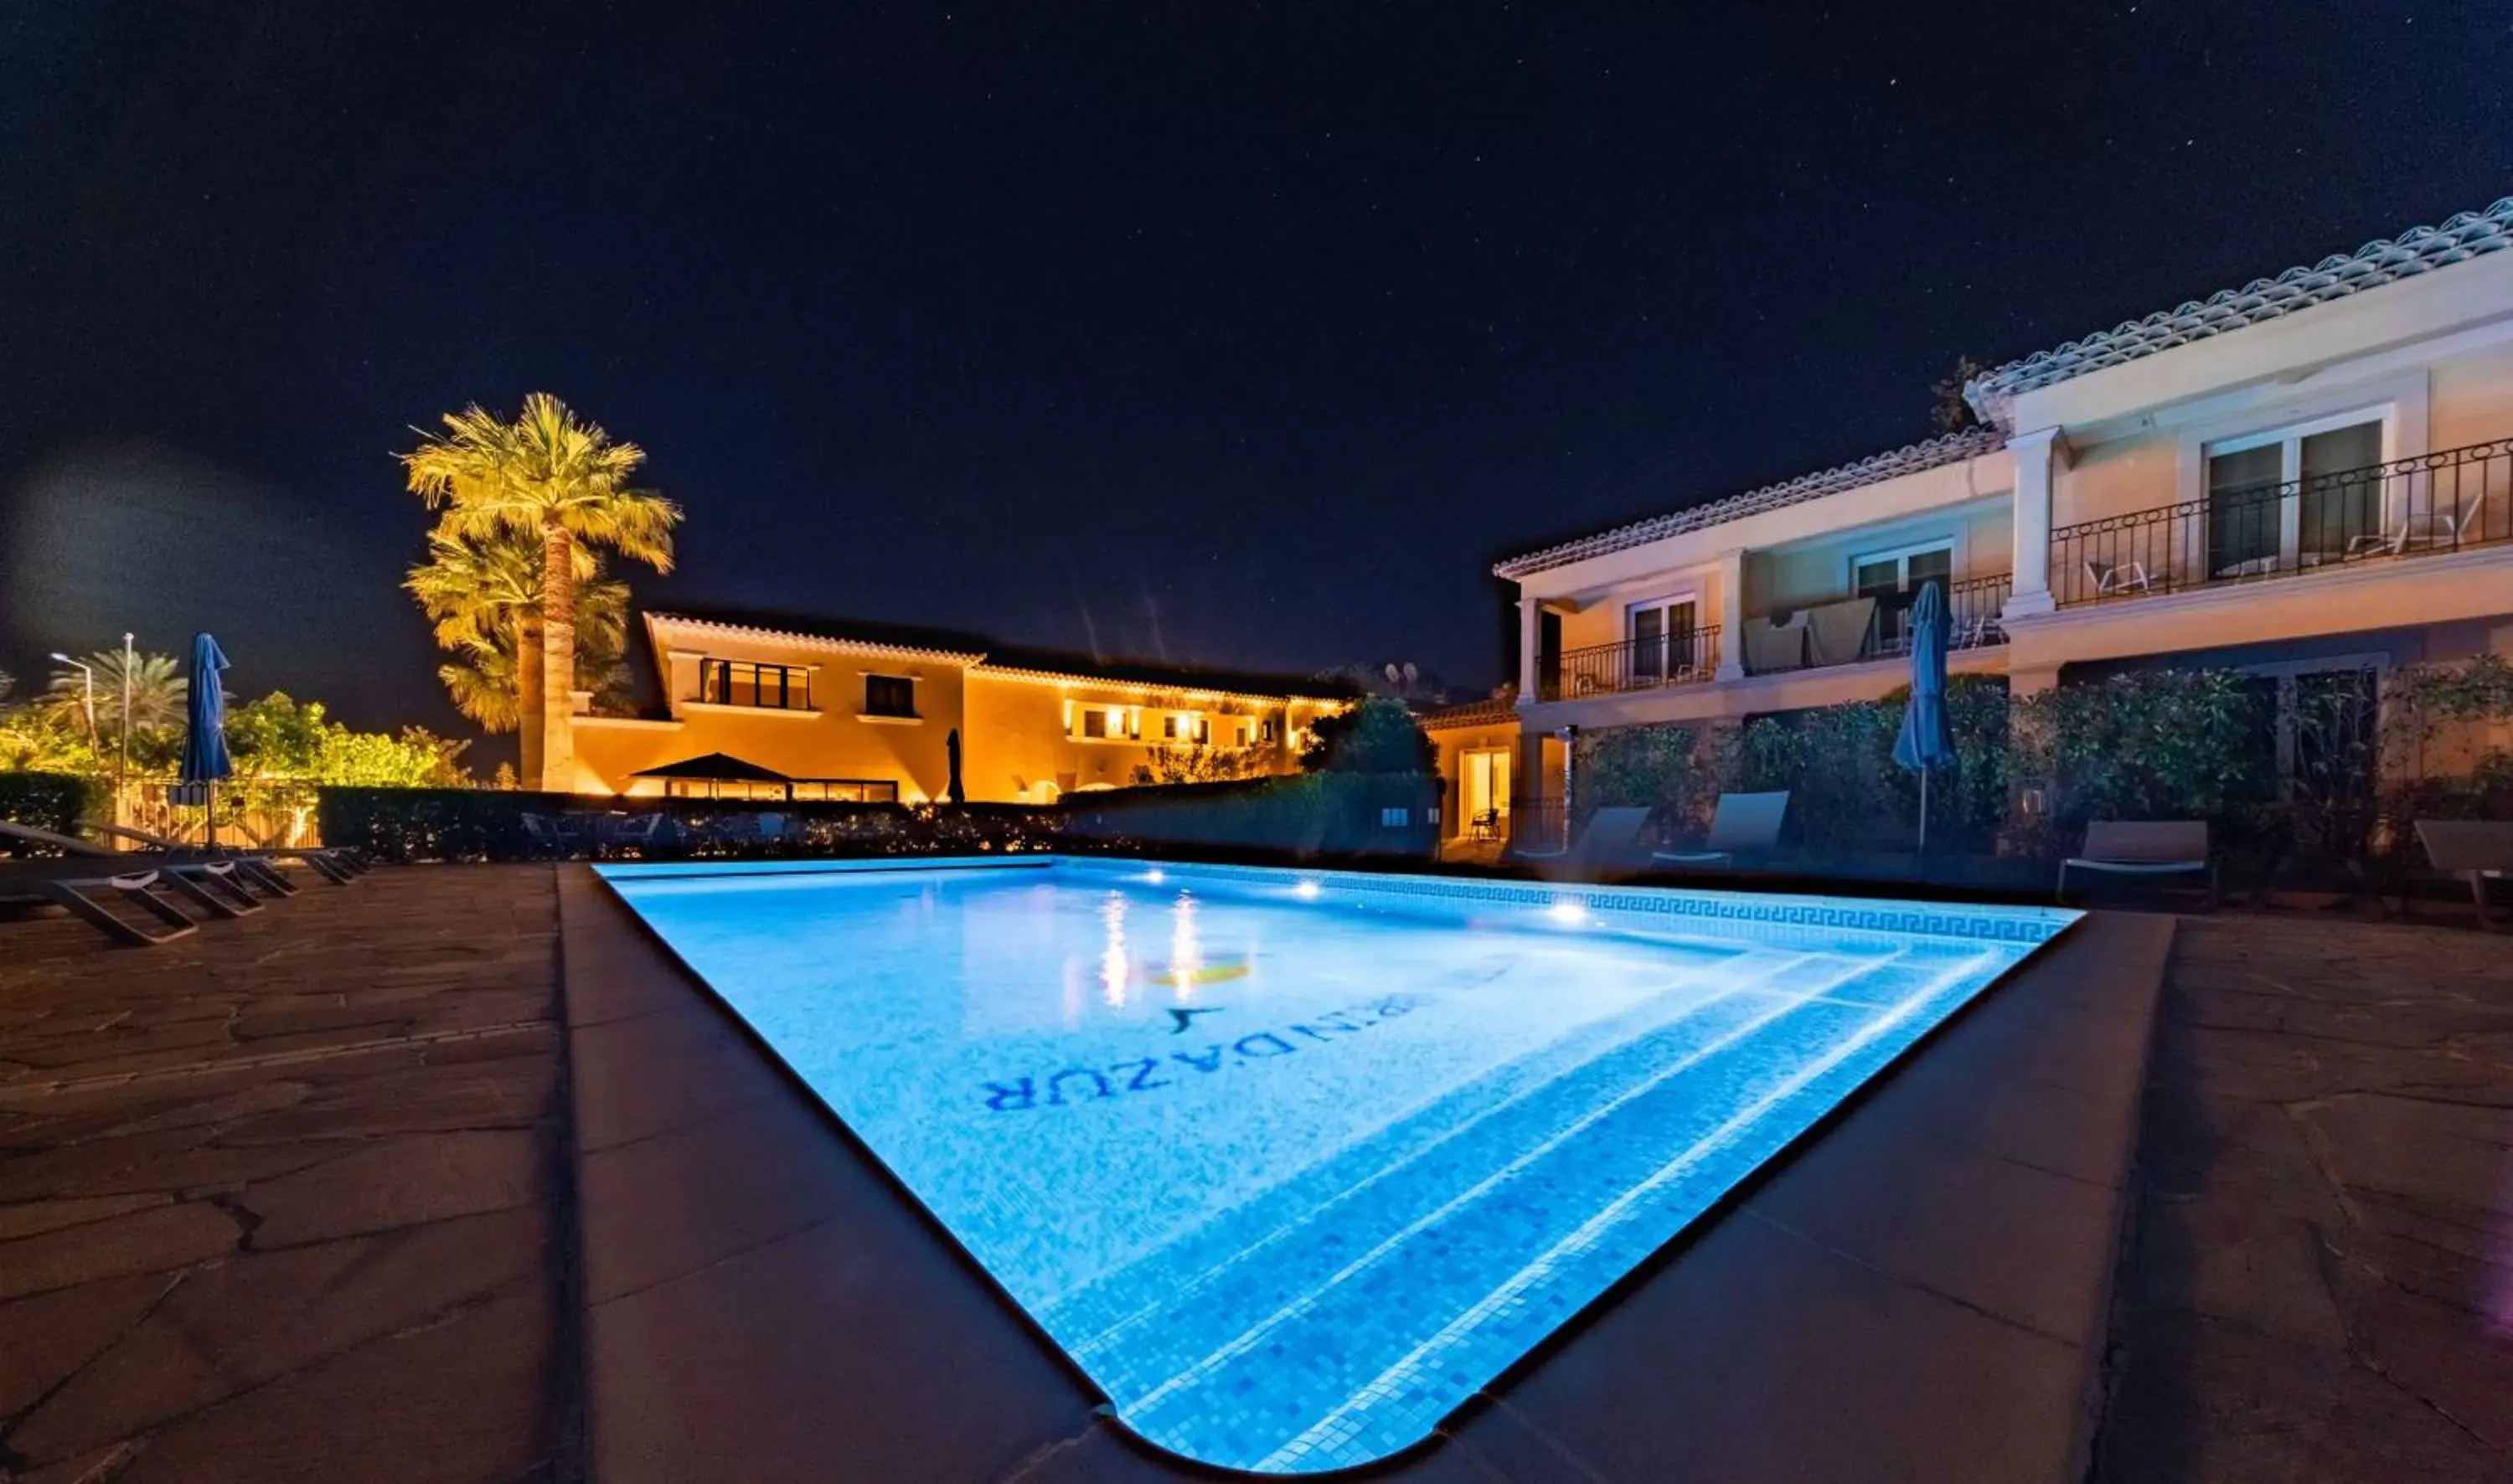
(1490, 1227)
(1101, 1315)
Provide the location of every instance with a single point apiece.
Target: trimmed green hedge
(1305, 815)
(405, 825)
(54, 802)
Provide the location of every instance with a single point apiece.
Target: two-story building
(2311, 473)
(780, 707)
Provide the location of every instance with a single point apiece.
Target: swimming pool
(1291, 1163)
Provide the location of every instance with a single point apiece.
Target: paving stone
(738, 1180)
(50, 1335)
(2324, 1270)
(2032, 1247)
(29, 1217)
(417, 1178)
(151, 1240)
(259, 1316)
(890, 1363)
(1916, 1388)
(461, 1402)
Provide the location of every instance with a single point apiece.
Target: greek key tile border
(1659, 907)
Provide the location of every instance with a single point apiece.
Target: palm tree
(157, 690)
(484, 599)
(561, 481)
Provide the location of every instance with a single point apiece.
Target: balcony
(2429, 505)
(1681, 657)
(1854, 630)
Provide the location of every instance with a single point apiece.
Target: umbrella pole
(1924, 813)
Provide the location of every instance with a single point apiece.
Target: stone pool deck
(289, 1199)
(285, 1199)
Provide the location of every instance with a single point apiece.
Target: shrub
(1644, 768)
(405, 825)
(2152, 744)
(55, 802)
(1304, 814)
(1375, 735)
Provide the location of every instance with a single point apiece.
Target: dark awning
(714, 767)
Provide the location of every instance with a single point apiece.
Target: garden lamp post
(88, 702)
(122, 740)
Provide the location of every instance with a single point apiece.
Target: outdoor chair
(1610, 845)
(1743, 824)
(2435, 527)
(75, 884)
(216, 886)
(637, 830)
(551, 833)
(2145, 848)
(2117, 577)
(1485, 826)
(338, 867)
(2473, 849)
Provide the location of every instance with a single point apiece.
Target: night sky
(1239, 334)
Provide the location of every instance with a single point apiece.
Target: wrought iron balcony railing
(1683, 657)
(2411, 507)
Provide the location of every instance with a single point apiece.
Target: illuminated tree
(484, 601)
(553, 479)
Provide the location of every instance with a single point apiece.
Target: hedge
(1303, 815)
(55, 802)
(405, 825)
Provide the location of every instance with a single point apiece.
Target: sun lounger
(2144, 847)
(2473, 849)
(338, 867)
(1743, 823)
(1610, 845)
(75, 883)
(213, 884)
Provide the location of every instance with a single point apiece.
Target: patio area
(290, 1199)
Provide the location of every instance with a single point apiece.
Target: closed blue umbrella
(1925, 743)
(205, 721)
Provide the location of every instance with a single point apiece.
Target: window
(741, 682)
(1094, 721)
(1265, 730)
(847, 790)
(1204, 732)
(1894, 578)
(1241, 733)
(1661, 632)
(1395, 818)
(2295, 497)
(1169, 726)
(889, 695)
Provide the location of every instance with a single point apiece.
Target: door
(1487, 791)
(1661, 632)
(1895, 579)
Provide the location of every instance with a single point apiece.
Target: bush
(1375, 735)
(55, 802)
(1304, 815)
(1644, 768)
(405, 825)
(2152, 744)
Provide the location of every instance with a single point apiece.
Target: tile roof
(1928, 453)
(2471, 234)
(1488, 710)
(1014, 659)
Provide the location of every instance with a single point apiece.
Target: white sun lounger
(1743, 822)
(73, 883)
(2473, 849)
(2144, 847)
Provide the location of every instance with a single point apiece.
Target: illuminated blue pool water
(1291, 1163)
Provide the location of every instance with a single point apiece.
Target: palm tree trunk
(558, 658)
(528, 698)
